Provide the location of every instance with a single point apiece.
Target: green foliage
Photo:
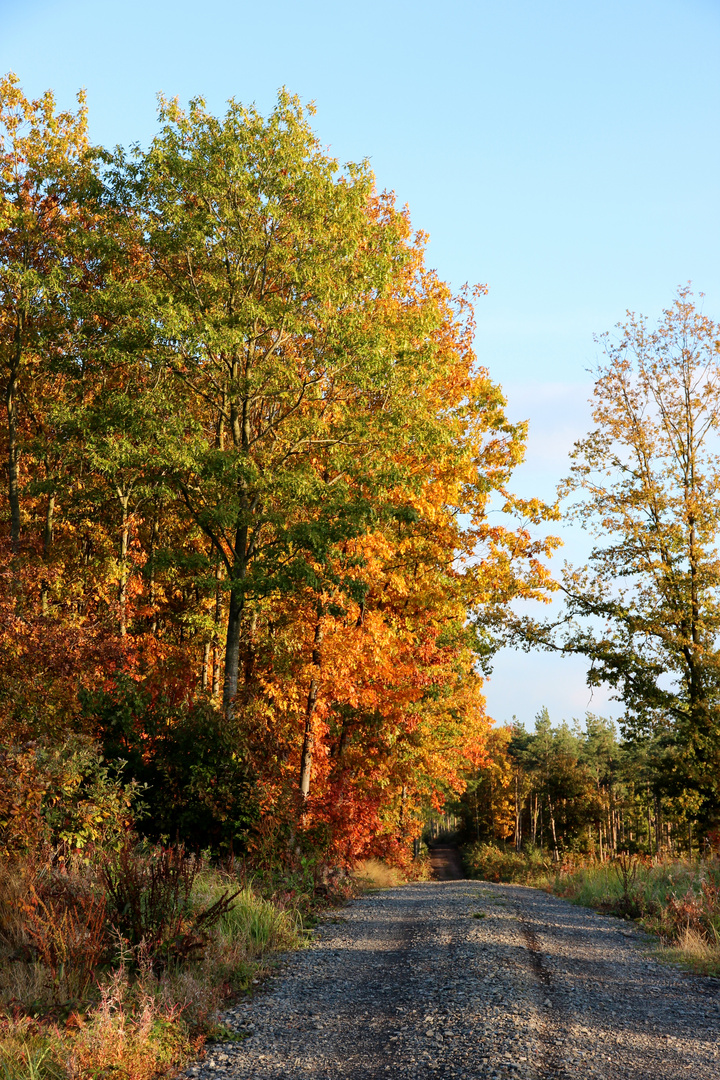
(185, 757)
(572, 791)
(64, 794)
(491, 863)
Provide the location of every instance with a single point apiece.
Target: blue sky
(565, 153)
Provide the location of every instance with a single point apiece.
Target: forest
(259, 544)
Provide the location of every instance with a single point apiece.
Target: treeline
(579, 790)
(248, 575)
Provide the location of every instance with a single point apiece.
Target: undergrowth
(118, 964)
(491, 863)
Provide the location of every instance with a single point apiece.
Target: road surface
(471, 980)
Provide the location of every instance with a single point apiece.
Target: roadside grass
(29, 1053)
(373, 874)
(143, 1014)
(678, 900)
(119, 963)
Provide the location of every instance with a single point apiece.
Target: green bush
(187, 759)
(491, 863)
(62, 796)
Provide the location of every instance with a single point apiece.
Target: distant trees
(577, 789)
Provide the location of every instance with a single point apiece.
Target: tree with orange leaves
(275, 426)
(40, 154)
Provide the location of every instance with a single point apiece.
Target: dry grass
(692, 951)
(135, 1019)
(676, 899)
(373, 874)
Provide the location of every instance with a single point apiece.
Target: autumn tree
(646, 609)
(266, 261)
(248, 410)
(40, 154)
(292, 305)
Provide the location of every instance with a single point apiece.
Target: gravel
(471, 979)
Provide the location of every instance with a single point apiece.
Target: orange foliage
(152, 526)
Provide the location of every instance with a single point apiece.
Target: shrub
(187, 759)
(60, 795)
(492, 863)
(151, 897)
(96, 947)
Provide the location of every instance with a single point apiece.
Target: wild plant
(151, 899)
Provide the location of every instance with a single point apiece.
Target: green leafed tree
(646, 608)
(290, 303)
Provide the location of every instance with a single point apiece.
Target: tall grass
(254, 923)
(677, 899)
(128, 1014)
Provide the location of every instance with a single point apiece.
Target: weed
(54, 919)
(151, 897)
(625, 866)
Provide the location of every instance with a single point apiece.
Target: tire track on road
(464, 980)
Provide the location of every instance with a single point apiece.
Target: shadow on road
(445, 863)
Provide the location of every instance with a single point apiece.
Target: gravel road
(471, 979)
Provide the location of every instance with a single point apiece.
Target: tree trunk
(47, 544)
(518, 823)
(235, 615)
(556, 854)
(154, 540)
(232, 653)
(306, 754)
(13, 451)
(205, 666)
(216, 633)
(122, 584)
(249, 665)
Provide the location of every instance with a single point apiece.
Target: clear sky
(566, 153)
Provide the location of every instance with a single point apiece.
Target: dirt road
(445, 863)
(467, 979)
